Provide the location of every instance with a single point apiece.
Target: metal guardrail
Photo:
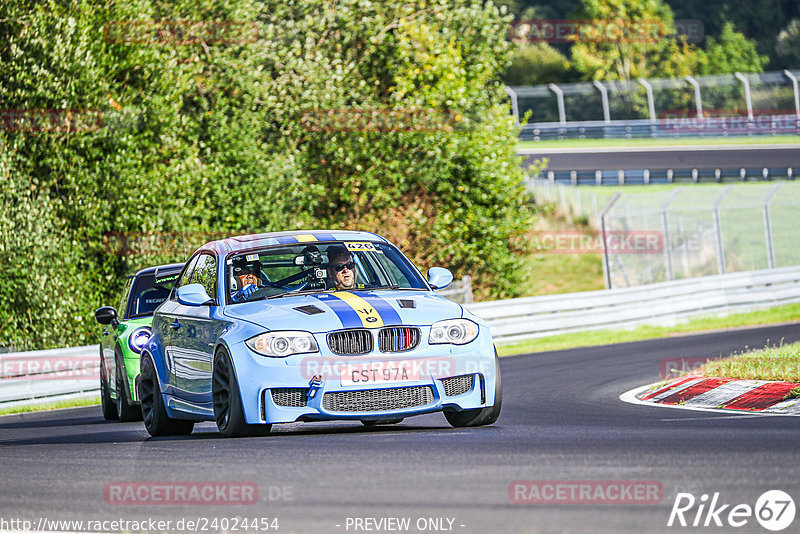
(459, 290)
(735, 126)
(664, 303)
(43, 376)
(668, 176)
(758, 104)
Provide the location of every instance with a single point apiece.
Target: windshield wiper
(294, 293)
(396, 287)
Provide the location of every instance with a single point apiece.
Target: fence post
(604, 96)
(665, 228)
(651, 106)
(698, 99)
(467, 280)
(793, 79)
(562, 114)
(606, 266)
(514, 104)
(747, 98)
(718, 229)
(768, 227)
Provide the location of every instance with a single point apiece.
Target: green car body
(124, 333)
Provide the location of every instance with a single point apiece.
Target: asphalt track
(701, 157)
(562, 420)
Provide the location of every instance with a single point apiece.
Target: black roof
(157, 270)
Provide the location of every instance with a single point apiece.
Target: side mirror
(439, 277)
(106, 315)
(193, 295)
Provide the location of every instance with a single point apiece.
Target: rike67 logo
(774, 510)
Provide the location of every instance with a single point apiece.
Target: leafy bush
(211, 138)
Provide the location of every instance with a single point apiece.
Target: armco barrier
(663, 303)
(49, 375)
(510, 320)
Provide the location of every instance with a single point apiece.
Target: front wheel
(156, 420)
(480, 416)
(125, 410)
(228, 411)
(106, 402)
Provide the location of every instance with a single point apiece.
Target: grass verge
(770, 363)
(90, 401)
(778, 314)
(698, 141)
(548, 274)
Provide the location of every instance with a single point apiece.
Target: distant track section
(688, 157)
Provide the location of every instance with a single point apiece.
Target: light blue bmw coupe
(312, 326)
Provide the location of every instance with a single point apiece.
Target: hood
(325, 312)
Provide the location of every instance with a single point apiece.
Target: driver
(247, 275)
(342, 268)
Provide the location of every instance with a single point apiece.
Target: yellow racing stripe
(369, 316)
(304, 238)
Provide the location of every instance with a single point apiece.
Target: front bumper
(282, 390)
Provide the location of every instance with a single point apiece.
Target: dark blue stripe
(286, 239)
(388, 314)
(324, 237)
(346, 314)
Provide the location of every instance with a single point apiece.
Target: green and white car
(125, 331)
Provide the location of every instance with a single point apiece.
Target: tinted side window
(123, 302)
(205, 272)
(185, 276)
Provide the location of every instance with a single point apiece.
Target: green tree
(788, 45)
(648, 50)
(536, 64)
(204, 137)
(731, 52)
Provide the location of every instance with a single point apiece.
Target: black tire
(156, 420)
(375, 422)
(107, 404)
(480, 416)
(126, 411)
(228, 411)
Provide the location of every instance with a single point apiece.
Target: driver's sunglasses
(339, 267)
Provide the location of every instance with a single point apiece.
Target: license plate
(379, 373)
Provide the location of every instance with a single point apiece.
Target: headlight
(455, 331)
(138, 339)
(281, 344)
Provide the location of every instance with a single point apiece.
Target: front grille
(350, 342)
(456, 385)
(377, 400)
(296, 397)
(398, 339)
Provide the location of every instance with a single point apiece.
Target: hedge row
(155, 119)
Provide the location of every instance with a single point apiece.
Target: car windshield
(148, 294)
(310, 268)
